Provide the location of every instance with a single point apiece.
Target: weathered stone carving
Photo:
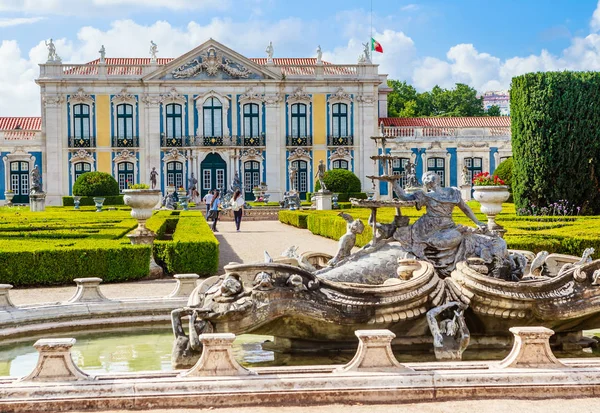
(347, 240)
(211, 62)
(449, 330)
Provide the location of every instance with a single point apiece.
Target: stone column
(56, 140)
(152, 138)
(367, 147)
(275, 149)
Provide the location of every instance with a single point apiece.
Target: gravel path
(245, 246)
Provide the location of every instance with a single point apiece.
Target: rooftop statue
(153, 50)
(269, 51)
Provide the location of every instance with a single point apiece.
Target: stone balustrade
(55, 363)
(531, 349)
(374, 353)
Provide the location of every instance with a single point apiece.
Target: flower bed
(565, 235)
(61, 244)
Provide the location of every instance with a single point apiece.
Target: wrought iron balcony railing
(340, 140)
(80, 142)
(212, 141)
(299, 141)
(125, 142)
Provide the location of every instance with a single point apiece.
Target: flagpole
(371, 38)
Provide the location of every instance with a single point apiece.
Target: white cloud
(19, 95)
(17, 21)
(595, 22)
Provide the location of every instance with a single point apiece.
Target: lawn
(60, 244)
(560, 234)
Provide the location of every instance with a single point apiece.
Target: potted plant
(490, 191)
(9, 195)
(142, 200)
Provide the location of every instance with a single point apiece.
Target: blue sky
(427, 42)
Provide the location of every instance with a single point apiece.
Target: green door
(301, 183)
(251, 178)
(125, 175)
(175, 174)
(213, 173)
(19, 181)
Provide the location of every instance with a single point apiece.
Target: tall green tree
(554, 122)
(493, 110)
(397, 99)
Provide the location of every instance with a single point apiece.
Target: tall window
(474, 166)
(437, 165)
(125, 120)
(125, 175)
(340, 119)
(398, 165)
(81, 168)
(251, 119)
(81, 121)
(174, 120)
(299, 119)
(340, 164)
(213, 117)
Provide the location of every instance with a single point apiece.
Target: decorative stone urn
(76, 201)
(491, 198)
(141, 201)
(183, 201)
(98, 202)
(335, 198)
(9, 197)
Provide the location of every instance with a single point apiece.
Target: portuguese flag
(375, 45)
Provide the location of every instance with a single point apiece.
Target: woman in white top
(237, 204)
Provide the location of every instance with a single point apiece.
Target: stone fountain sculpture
(473, 287)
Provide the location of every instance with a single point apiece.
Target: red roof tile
(456, 122)
(21, 123)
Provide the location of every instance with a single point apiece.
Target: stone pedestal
(374, 353)
(37, 202)
(186, 283)
(531, 350)
(465, 192)
(88, 290)
(5, 302)
(55, 362)
(217, 358)
(323, 200)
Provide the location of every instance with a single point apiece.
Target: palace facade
(216, 114)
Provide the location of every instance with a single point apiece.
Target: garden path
(245, 246)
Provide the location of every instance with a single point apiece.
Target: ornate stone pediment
(211, 62)
(299, 95)
(339, 96)
(125, 155)
(173, 96)
(81, 97)
(124, 97)
(340, 153)
(299, 153)
(251, 95)
(173, 155)
(252, 154)
(82, 156)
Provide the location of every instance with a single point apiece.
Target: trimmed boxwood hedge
(297, 219)
(96, 184)
(89, 200)
(194, 248)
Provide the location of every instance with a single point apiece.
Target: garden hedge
(194, 248)
(340, 180)
(96, 184)
(294, 218)
(89, 200)
(343, 197)
(554, 122)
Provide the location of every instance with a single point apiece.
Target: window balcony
(252, 140)
(340, 140)
(299, 141)
(125, 142)
(171, 141)
(79, 142)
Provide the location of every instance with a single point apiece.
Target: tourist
(207, 201)
(237, 205)
(214, 210)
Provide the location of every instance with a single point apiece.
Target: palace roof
(277, 61)
(450, 122)
(20, 123)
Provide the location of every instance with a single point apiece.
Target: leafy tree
(554, 122)
(402, 93)
(505, 172)
(493, 110)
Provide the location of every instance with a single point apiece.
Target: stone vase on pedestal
(98, 202)
(76, 201)
(37, 202)
(9, 197)
(142, 202)
(491, 198)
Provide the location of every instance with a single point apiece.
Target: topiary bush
(342, 181)
(505, 172)
(554, 123)
(96, 184)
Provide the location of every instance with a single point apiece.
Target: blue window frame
(339, 120)
(299, 120)
(81, 121)
(213, 117)
(251, 120)
(174, 120)
(125, 121)
(438, 165)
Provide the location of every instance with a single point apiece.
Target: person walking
(207, 201)
(237, 205)
(214, 210)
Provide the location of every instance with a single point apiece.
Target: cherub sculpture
(348, 240)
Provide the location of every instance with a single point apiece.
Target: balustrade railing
(125, 142)
(415, 132)
(299, 141)
(79, 142)
(212, 141)
(340, 140)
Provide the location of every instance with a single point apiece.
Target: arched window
(340, 120)
(340, 164)
(213, 117)
(438, 165)
(474, 166)
(174, 122)
(81, 121)
(125, 121)
(125, 176)
(299, 120)
(81, 168)
(251, 120)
